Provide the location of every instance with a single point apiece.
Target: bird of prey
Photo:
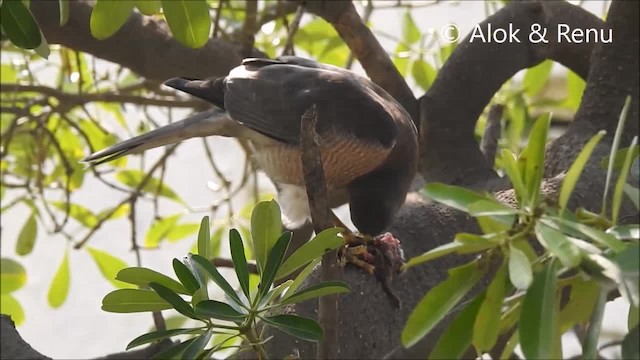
(367, 140)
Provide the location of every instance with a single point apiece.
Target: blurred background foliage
(59, 104)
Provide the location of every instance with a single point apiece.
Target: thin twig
(216, 21)
(250, 27)
(293, 29)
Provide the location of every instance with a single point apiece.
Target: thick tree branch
(143, 44)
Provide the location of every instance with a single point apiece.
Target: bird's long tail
(211, 122)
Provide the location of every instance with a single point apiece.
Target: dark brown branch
(274, 12)
(474, 73)
(366, 48)
(143, 44)
(314, 179)
(250, 27)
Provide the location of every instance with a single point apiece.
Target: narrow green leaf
(181, 231)
(160, 230)
(619, 157)
(591, 232)
(575, 89)
(149, 7)
(273, 263)
(185, 276)
(590, 344)
(633, 317)
(510, 167)
(174, 299)
(195, 348)
(204, 238)
(572, 176)
(630, 343)
(239, 260)
(520, 272)
(218, 310)
(143, 276)
(266, 227)
(559, 245)
(535, 158)
(302, 276)
(11, 306)
(217, 278)
(133, 300)
(78, 212)
(537, 325)
(614, 149)
(174, 351)
(159, 335)
(44, 52)
(298, 326)
(535, 78)
(273, 294)
(487, 324)
(453, 196)
(28, 234)
(582, 300)
(19, 25)
(325, 241)
(410, 32)
(109, 266)
(59, 288)
(188, 20)
(487, 207)
(455, 340)
(12, 276)
(322, 289)
(452, 247)
(616, 202)
(437, 303)
(133, 178)
(108, 17)
(625, 232)
(634, 194)
(64, 11)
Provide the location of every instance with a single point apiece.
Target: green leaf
(619, 157)
(159, 335)
(298, 326)
(570, 180)
(630, 343)
(218, 310)
(189, 21)
(632, 318)
(11, 306)
(274, 294)
(12, 276)
(410, 32)
(43, 49)
(109, 266)
(174, 299)
(185, 276)
(132, 178)
(325, 241)
(590, 343)
(614, 149)
(510, 167)
(133, 300)
(559, 245)
(143, 276)
(601, 237)
(628, 261)
(487, 207)
(453, 196)
(108, 17)
(302, 276)
(616, 202)
(266, 227)
(59, 288)
(181, 231)
(149, 7)
(438, 302)
(487, 324)
(455, 340)
(423, 73)
(536, 78)
(634, 195)
(575, 89)
(64, 11)
(273, 263)
(519, 269)
(78, 212)
(625, 232)
(195, 348)
(28, 233)
(322, 289)
(217, 278)
(537, 325)
(204, 238)
(160, 229)
(401, 58)
(174, 351)
(19, 25)
(534, 155)
(452, 247)
(582, 299)
(239, 261)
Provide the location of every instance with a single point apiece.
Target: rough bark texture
(369, 326)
